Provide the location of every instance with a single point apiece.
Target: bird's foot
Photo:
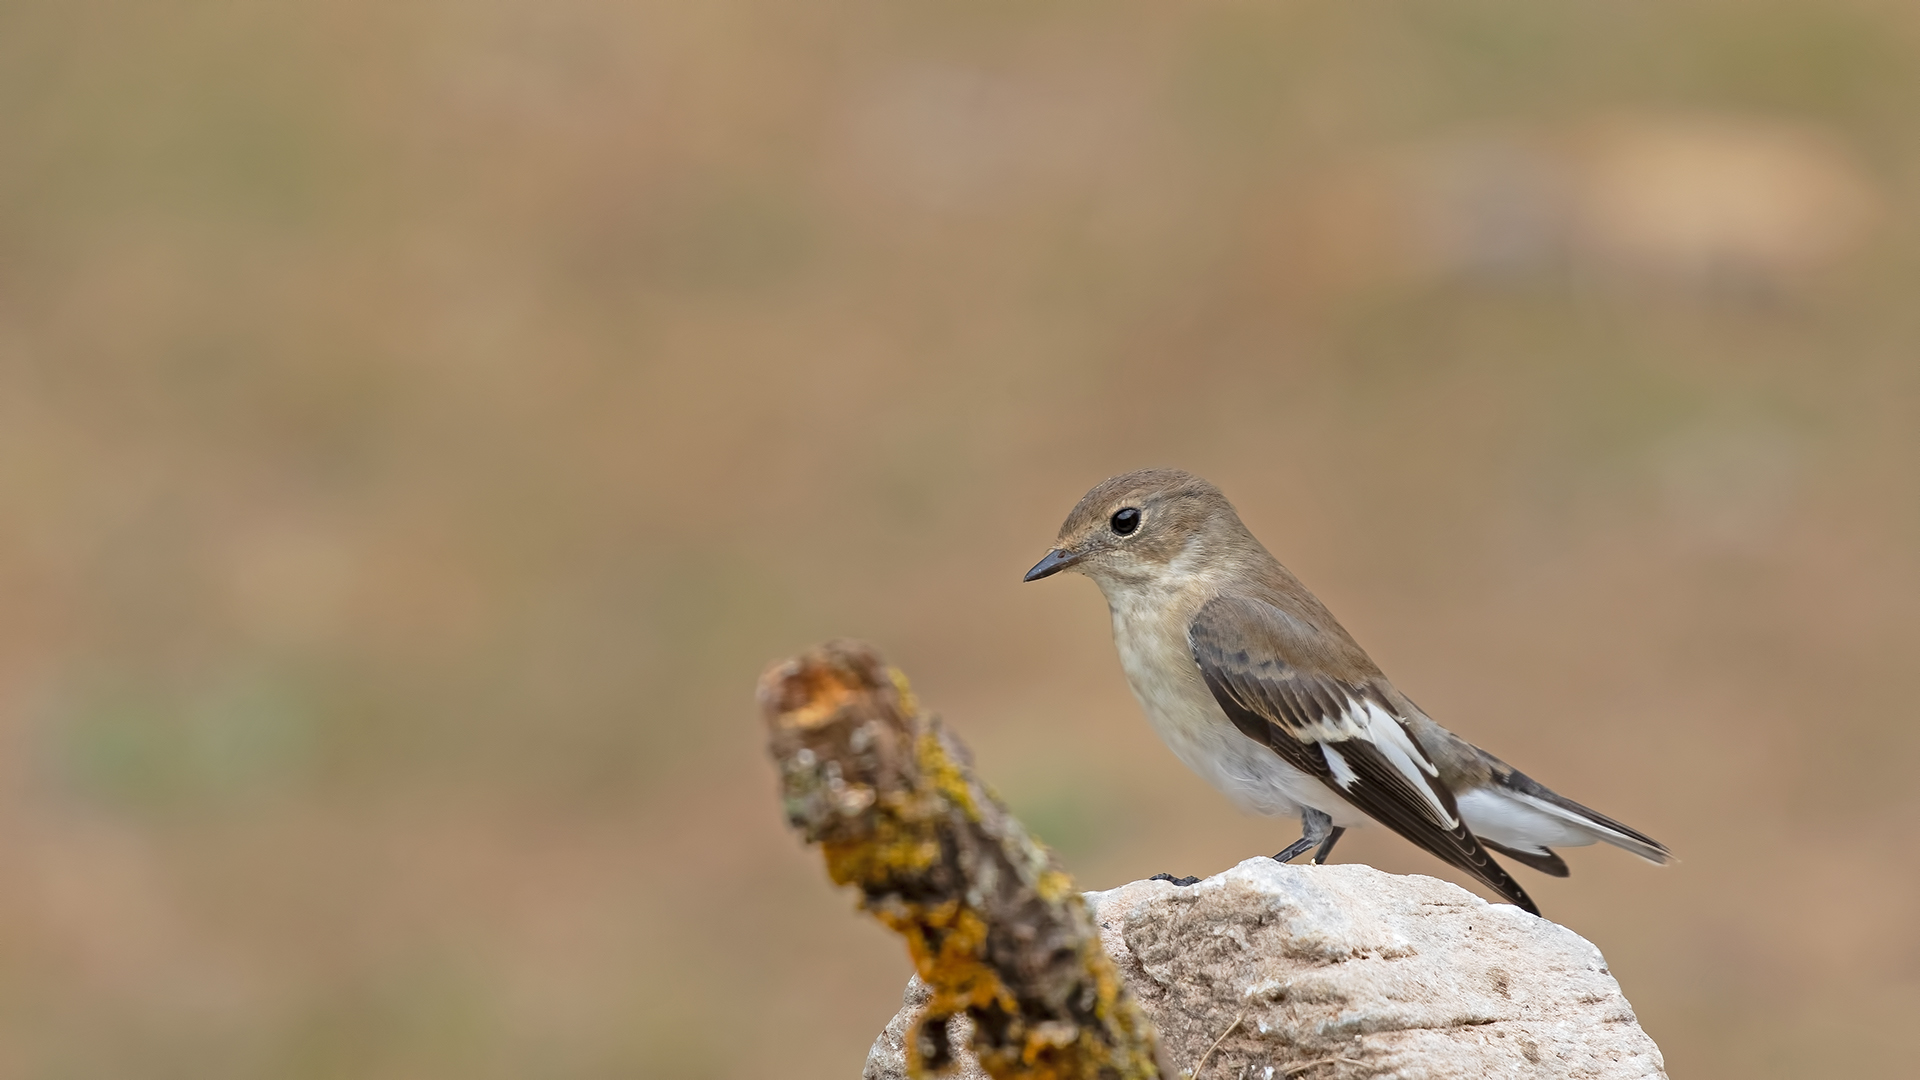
(1326, 848)
(1295, 850)
(1318, 831)
(1180, 881)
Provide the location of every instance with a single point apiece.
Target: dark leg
(1181, 881)
(1327, 847)
(1315, 828)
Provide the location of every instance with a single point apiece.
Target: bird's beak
(1057, 560)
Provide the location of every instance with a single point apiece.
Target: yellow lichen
(896, 848)
(948, 945)
(900, 841)
(909, 705)
(944, 775)
(1053, 886)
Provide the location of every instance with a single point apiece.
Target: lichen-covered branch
(995, 929)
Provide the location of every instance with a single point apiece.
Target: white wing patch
(1342, 772)
(1366, 720)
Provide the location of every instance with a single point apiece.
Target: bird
(1255, 686)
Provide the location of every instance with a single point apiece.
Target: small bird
(1252, 683)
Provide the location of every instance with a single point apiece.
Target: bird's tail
(1530, 793)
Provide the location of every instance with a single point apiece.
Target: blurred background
(420, 423)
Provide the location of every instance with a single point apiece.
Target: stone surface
(1335, 972)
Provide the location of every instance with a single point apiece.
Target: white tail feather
(1601, 830)
(1529, 823)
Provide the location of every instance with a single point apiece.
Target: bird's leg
(1326, 847)
(1316, 828)
(1181, 881)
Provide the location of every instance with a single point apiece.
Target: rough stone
(1339, 972)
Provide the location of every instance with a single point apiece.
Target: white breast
(1151, 634)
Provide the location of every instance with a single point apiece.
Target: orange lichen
(814, 694)
(948, 946)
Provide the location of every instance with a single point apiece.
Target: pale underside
(1157, 657)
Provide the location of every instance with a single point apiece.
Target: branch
(996, 930)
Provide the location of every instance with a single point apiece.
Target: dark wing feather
(1546, 860)
(1343, 734)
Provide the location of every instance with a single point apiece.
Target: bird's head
(1137, 528)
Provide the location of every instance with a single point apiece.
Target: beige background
(420, 422)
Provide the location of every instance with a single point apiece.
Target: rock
(888, 1058)
(1267, 972)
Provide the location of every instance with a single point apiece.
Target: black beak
(1057, 560)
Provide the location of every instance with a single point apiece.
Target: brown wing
(1345, 734)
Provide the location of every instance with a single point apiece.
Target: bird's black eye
(1124, 521)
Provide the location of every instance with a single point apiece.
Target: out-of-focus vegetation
(420, 422)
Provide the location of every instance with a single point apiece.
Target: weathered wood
(995, 929)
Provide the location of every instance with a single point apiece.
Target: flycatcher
(1253, 684)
